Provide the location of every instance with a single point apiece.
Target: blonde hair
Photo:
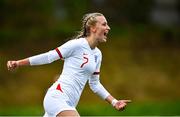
(88, 20)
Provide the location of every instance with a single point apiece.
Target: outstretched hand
(121, 104)
(12, 65)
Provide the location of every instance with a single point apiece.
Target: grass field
(133, 109)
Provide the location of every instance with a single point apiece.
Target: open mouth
(105, 33)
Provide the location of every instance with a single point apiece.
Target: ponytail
(88, 20)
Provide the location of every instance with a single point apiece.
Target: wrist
(17, 63)
(113, 103)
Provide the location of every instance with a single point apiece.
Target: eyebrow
(104, 22)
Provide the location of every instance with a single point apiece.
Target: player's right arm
(40, 59)
(62, 52)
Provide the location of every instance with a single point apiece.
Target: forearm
(23, 62)
(109, 99)
(98, 89)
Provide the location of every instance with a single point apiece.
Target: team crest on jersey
(95, 58)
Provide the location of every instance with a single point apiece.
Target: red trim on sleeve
(59, 88)
(96, 73)
(59, 53)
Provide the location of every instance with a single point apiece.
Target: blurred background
(141, 59)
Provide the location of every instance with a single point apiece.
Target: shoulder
(70, 48)
(74, 43)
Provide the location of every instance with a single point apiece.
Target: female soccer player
(82, 60)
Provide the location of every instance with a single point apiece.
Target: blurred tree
(22, 19)
(121, 11)
(165, 13)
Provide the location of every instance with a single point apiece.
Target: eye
(104, 24)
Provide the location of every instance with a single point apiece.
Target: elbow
(49, 61)
(94, 87)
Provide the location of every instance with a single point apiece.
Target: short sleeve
(67, 49)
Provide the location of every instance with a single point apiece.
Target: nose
(108, 27)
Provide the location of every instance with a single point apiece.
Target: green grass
(133, 109)
(21, 111)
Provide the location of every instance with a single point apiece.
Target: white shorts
(56, 101)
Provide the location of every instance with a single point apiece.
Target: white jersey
(80, 63)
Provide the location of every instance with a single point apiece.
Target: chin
(104, 40)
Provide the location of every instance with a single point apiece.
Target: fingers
(123, 107)
(121, 104)
(11, 65)
(126, 101)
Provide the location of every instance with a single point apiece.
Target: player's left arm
(98, 88)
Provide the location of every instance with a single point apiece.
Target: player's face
(101, 29)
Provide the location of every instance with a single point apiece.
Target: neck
(92, 42)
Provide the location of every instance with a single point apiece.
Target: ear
(93, 29)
